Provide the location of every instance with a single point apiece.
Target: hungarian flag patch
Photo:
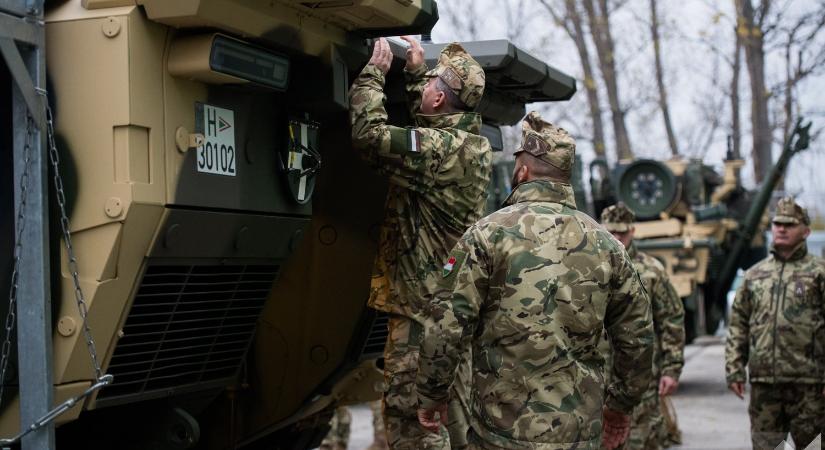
(454, 262)
(448, 268)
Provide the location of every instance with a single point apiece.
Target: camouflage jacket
(668, 318)
(438, 172)
(532, 288)
(777, 324)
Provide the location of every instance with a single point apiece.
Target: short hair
(454, 103)
(541, 169)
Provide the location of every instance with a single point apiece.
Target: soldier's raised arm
(414, 74)
(414, 158)
(628, 321)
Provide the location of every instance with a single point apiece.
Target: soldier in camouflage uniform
(531, 288)
(647, 430)
(438, 173)
(777, 330)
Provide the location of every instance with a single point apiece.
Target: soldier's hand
(667, 385)
(615, 428)
(415, 53)
(381, 55)
(432, 418)
(738, 388)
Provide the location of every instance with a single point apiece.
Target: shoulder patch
(405, 141)
(414, 141)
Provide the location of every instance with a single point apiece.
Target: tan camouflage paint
(532, 290)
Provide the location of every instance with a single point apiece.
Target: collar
(632, 251)
(467, 121)
(542, 191)
(799, 252)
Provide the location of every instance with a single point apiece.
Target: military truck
(224, 230)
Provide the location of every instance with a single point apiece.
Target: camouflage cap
(788, 211)
(618, 218)
(547, 142)
(461, 73)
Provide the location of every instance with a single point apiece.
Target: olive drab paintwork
(534, 286)
(777, 324)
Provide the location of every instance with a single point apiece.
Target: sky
(697, 45)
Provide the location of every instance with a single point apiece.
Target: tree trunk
(589, 77)
(736, 125)
(600, 29)
(660, 80)
(753, 41)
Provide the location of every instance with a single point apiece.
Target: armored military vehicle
(224, 230)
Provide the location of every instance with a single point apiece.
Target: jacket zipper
(776, 317)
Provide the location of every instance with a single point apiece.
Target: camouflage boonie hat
(461, 73)
(618, 218)
(788, 211)
(547, 142)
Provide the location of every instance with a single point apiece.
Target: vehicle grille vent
(189, 327)
(377, 337)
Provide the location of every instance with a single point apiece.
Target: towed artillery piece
(703, 227)
(223, 227)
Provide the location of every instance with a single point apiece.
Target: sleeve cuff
(672, 373)
(430, 403)
(416, 73)
(374, 71)
(614, 404)
(735, 378)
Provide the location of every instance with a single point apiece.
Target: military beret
(461, 73)
(788, 211)
(618, 218)
(547, 142)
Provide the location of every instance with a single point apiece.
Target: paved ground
(711, 417)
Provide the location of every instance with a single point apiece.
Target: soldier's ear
(440, 100)
(523, 174)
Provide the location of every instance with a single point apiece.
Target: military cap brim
(617, 227)
(786, 219)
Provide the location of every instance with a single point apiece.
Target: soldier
(532, 288)
(777, 329)
(438, 173)
(647, 429)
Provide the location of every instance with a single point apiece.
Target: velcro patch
(415, 140)
(534, 145)
(453, 263)
(451, 78)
